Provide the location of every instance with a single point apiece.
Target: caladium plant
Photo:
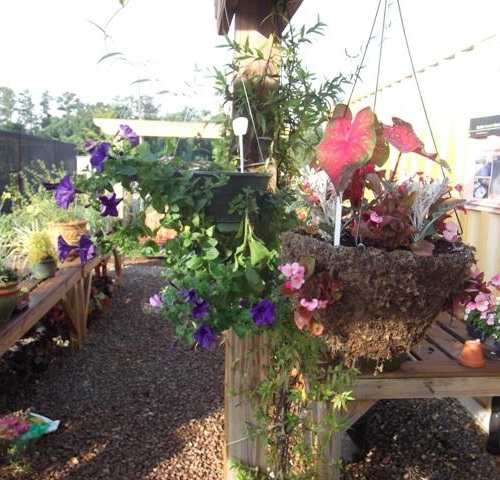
(347, 144)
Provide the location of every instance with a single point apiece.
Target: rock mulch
(135, 407)
(132, 405)
(423, 440)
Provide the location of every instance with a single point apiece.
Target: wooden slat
(438, 369)
(411, 387)
(428, 352)
(42, 299)
(446, 342)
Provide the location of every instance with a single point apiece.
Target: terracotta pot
(70, 231)
(389, 298)
(472, 354)
(9, 295)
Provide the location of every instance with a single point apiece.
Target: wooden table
(431, 372)
(71, 288)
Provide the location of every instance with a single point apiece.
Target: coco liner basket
(389, 298)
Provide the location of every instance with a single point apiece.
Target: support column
(246, 366)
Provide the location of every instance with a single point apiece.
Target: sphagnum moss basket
(389, 298)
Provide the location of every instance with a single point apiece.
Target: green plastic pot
(223, 195)
(9, 295)
(45, 269)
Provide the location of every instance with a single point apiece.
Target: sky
(53, 45)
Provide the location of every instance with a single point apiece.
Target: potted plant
(69, 220)
(41, 255)
(482, 310)
(9, 291)
(389, 243)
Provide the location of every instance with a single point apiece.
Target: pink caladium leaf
(346, 146)
(402, 136)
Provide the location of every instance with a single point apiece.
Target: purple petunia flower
(90, 145)
(156, 301)
(200, 309)
(263, 313)
(99, 155)
(189, 295)
(65, 191)
(129, 134)
(204, 336)
(109, 204)
(86, 249)
(64, 248)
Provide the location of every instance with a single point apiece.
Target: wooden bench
(431, 372)
(71, 288)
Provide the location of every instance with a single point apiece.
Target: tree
(45, 104)
(7, 104)
(26, 111)
(69, 103)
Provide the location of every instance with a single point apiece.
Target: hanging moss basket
(389, 298)
(224, 194)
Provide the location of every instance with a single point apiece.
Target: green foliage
(288, 116)
(7, 275)
(300, 374)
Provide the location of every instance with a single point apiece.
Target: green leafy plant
(288, 104)
(39, 248)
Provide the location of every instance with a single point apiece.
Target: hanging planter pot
(224, 194)
(389, 298)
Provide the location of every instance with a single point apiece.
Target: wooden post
(245, 368)
(254, 27)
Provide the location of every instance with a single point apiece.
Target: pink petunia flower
(491, 320)
(310, 304)
(322, 304)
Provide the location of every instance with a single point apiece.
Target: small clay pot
(472, 354)
(9, 295)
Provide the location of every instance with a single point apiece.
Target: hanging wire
(358, 70)
(357, 241)
(382, 36)
(423, 103)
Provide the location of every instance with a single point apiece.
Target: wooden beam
(161, 128)
(431, 387)
(224, 13)
(246, 366)
(225, 10)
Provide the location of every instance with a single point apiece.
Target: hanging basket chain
(423, 103)
(382, 36)
(360, 66)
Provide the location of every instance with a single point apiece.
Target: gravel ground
(423, 440)
(132, 407)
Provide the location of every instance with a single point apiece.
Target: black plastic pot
(223, 195)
